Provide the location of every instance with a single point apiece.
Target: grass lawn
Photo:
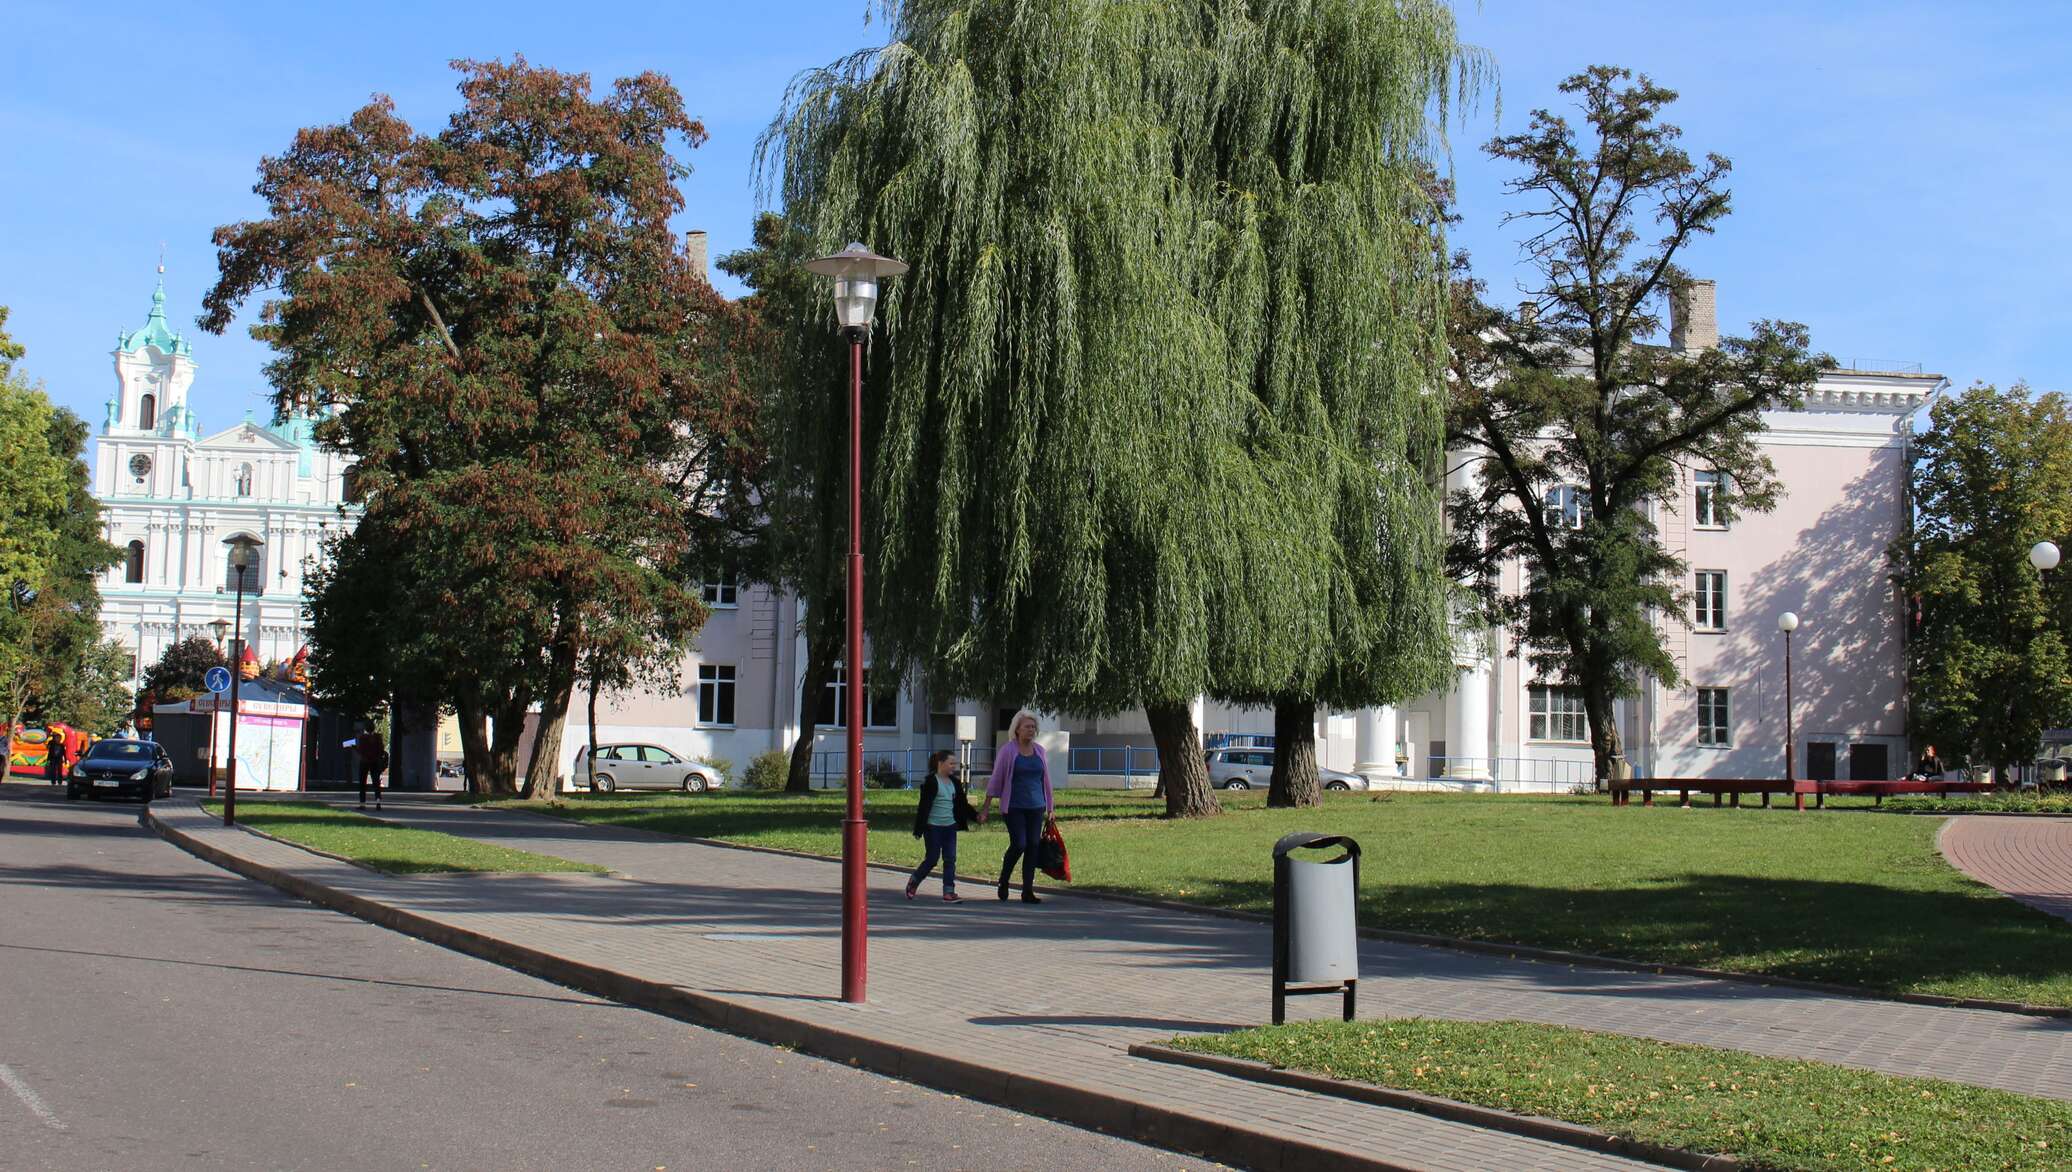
(398, 850)
(1841, 894)
(1772, 1112)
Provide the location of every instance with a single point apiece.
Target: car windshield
(119, 751)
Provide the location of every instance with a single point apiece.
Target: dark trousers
(1024, 832)
(369, 775)
(942, 844)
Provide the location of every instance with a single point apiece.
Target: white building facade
(171, 493)
(1843, 464)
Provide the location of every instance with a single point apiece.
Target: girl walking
(1021, 780)
(944, 810)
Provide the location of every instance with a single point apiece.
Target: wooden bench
(1731, 788)
(1719, 787)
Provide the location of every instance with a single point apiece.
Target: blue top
(943, 811)
(1028, 781)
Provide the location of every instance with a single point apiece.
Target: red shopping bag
(1051, 857)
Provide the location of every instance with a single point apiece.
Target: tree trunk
(590, 746)
(1295, 781)
(542, 773)
(474, 743)
(1598, 708)
(500, 758)
(1182, 770)
(822, 649)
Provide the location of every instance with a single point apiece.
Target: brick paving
(2029, 859)
(1062, 990)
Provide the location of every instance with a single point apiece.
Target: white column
(1467, 722)
(1389, 737)
(1199, 709)
(1375, 742)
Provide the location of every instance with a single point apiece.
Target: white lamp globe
(2044, 555)
(1787, 622)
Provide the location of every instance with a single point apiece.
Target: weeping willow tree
(1151, 414)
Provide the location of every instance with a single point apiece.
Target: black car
(121, 768)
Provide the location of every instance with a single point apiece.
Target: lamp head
(856, 272)
(242, 549)
(1787, 622)
(2044, 555)
(220, 626)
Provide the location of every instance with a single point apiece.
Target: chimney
(1694, 316)
(694, 248)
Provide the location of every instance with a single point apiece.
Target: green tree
(1573, 424)
(497, 322)
(178, 673)
(1145, 241)
(51, 556)
(1989, 660)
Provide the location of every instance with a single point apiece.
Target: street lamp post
(222, 629)
(1789, 622)
(856, 272)
(242, 550)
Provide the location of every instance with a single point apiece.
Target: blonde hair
(1014, 726)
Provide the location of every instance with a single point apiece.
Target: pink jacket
(1001, 783)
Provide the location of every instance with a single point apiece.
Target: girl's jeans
(942, 844)
(1024, 833)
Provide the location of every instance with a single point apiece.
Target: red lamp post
(856, 271)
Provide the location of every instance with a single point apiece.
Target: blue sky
(1900, 174)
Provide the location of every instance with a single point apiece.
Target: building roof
(155, 331)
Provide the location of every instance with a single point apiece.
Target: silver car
(644, 767)
(1253, 769)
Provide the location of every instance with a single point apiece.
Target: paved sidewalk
(1060, 991)
(2028, 858)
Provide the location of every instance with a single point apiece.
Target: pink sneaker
(952, 897)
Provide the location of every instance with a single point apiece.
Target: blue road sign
(217, 678)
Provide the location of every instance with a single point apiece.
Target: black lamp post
(1788, 622)
(243, 549)
(856, 271)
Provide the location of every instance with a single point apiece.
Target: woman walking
(944, 810)
(1021, 780)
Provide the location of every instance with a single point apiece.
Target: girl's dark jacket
(960, 806)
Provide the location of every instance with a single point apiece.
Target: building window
(1711, 600)
(147, 412)
(133, 564)
(1557, 714)
(716, 694)
(880, 709)
(244, 480)
(255, 574)
(1564, 507)
(1712, 718)
(1707, 509)
(722, 589)
(349, 485)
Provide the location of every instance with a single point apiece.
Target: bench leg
(1736, 803)
(1647, 797)
(1685, 795)
(1798, 801)
(1820, 801)
(1715, 801)
(1766, 799)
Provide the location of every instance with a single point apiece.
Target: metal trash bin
(1316, 941)
(2050, 770)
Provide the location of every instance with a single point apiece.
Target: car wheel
(692, 784)
(1336, 785)
(1237, 783)
(604, 784)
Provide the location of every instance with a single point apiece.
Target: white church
(171, 494)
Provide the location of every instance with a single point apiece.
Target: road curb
(1453, 943)
(1179, 1130)
(1452, 1110)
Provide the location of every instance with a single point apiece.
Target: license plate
(107, 783)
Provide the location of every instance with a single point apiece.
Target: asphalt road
(156, 1012)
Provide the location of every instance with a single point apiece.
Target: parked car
(1252, 768)
(644, 767)
(121, 768)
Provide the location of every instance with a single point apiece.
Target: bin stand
(1283, 919)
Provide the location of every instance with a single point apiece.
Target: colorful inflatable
(30, 756)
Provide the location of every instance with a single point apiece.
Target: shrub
(883, 774)
(721, 765)
(769, 771)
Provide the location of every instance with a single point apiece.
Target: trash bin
(2050, 770)
(1316, 941)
